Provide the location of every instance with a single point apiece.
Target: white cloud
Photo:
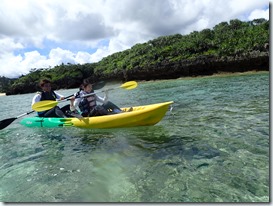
(63, 30)
(33, 59)
(259, 13)
(8, 45)
(83, 57)
(13, 65)
(61, 56)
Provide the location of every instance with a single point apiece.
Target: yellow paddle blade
(129, 85)
(44, 105)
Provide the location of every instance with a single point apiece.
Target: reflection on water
(213, 147)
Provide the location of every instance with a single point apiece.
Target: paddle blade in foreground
(6, 122)
(44, 105)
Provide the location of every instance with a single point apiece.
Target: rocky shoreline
(200, 66)
(195, 67)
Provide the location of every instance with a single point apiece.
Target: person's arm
(59, 96)
(72, 100)
(74, 106)
(99, 99)
(104, 99)
(36, 98)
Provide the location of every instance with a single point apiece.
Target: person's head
(87, 86)
(45, 85)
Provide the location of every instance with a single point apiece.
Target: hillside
(234, 46)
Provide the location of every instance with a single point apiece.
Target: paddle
(6, 122)
(95, 86)
(48, 104)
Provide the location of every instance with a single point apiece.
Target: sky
(44, 33)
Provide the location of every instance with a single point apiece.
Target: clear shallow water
(213, 147)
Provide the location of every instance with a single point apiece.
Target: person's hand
(72, 99)
(106, 96)
(62, 98)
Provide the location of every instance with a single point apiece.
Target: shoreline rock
(200, 66)
(195, 67)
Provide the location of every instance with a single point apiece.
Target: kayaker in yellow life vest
(88, 103)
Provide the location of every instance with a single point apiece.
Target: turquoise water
(213, 147)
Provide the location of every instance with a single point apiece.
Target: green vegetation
(5, 84)
(236, 38)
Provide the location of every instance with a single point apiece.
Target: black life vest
(48, 96)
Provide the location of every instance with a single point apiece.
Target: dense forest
(228, 47)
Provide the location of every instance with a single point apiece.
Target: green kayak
(46, 122)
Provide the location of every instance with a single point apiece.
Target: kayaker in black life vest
(88, 105)
(48, 94)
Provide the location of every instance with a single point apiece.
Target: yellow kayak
(139, 116)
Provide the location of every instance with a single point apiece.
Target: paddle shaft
(27, 113)
(87, 95)
(6, 122)
(48, 104)
(97, 85)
